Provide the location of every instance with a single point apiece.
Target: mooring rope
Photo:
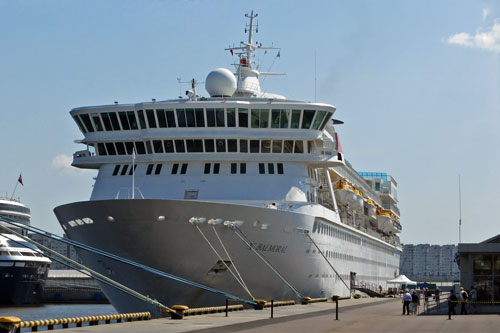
(121, 259)
(234, 265)
(111, 282)
(265, 260)
(223, 261)
(321, 252)
(67, 264)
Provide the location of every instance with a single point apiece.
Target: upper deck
(156, 130)
(209, 114)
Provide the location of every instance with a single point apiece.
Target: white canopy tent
(402, 279)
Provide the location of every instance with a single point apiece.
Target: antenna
(133, 173)
(314, 75)
(459, 211)
(247, 73)
(251, 28)
(180, 87)
(191, 94)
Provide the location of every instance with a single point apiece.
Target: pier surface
(355, 315)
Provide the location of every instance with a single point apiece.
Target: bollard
(8, 324)
(272, 308)
(336, 299)
(227, 306)
(336, 309)
(178, 311)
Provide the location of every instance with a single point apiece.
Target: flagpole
(13, 192)
(133, 174)
(15, 187)
(459, 211)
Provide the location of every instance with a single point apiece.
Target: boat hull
(20, 285)
(132, 229)
(157, 233)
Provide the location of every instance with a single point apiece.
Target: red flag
(20, 179)
(339, 147)
(232, 53)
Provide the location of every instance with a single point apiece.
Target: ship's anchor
(238, 278)
(238, 232)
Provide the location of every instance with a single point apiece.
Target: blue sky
(416, 82)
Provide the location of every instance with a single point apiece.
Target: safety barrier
(278, 303)
(475, 302)
(451, 305)
(212, 309)
(182, 310)
(79, 321)
(309, 300)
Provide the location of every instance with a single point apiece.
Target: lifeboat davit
(372, 212)
(386, 221)
(358, 203)
(344, 193)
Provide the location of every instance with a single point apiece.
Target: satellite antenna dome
(220, 82)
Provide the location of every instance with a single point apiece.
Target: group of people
(461, 297)
(411, 300)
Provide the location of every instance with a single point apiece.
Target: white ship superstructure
(23, 269)
(176, 177)
(14, 209)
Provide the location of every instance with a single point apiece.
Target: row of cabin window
(124, 170)
(326, 229)
(335, 232)
(208, 168)
(205, 146)
(149, 170)
(218, 117)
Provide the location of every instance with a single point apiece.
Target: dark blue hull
(21, 285)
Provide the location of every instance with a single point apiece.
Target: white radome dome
(220, 82)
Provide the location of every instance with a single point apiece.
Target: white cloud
(62, 164)
(483, 39)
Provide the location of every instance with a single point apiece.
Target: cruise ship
(23, 269)
(244, 191)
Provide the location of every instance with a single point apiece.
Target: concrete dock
(355, 315)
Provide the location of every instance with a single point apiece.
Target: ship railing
(81, 154)
(273, 204)
(353, 177)
(129, 192)
(392, 207)
(10, 199)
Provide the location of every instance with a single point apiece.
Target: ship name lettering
(271, 248)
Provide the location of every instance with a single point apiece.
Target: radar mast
(247, 75)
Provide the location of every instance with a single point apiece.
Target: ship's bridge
(292, 129)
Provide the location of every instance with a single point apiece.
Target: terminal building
(60, 247)
(429, 263)
(480, 268)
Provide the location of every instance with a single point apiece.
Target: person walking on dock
(463, 298)
(426, 299)
(415, 302)
(406, 302)
(473, 298)
(452, 302)
(437, 297)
